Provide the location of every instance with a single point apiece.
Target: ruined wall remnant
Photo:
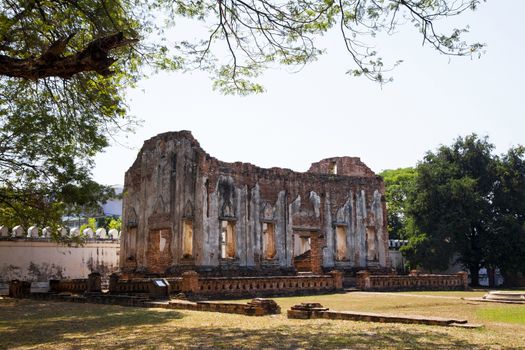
(184, 210)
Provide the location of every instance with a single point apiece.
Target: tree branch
(94, 58)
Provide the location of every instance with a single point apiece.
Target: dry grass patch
(26, 324)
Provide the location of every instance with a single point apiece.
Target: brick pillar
(362, 280)
(94, 284)
(316, 257)
(19, 289)
(464, 278)
(113, 281)
(190, 282)
(338, 279)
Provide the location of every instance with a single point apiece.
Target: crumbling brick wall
(175, 185)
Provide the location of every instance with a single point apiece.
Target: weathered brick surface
(75, 286)
(255, 307)
(175, 184)
(190, 282)
(316, 259)
(158, 254)
(349, 166)
(316, 310)
(414, 281)
(338, 279)
(139, 286)
(266, 286)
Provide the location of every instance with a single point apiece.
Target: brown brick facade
(158, 255)
(185, 210)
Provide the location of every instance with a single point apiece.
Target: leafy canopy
(65, 65)
(468, 202)
(234, 40)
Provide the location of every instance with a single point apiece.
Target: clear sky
(321, 112)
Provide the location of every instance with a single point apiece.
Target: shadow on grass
(27, 323)
(287, 338)
(88, 326)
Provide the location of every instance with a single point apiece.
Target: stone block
(300, 314)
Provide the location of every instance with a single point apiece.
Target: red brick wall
(365, 281)
(159, 256)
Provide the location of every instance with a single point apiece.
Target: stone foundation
(256, 307)
(195, 286)
(231, 287)
(414, 281)
(316, 310)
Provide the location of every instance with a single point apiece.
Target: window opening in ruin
(187, 238)
(332, 169)
(301, 244)
(268, 230)
(340, 243)
(227, 239)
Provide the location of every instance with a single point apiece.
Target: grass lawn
(27, 324)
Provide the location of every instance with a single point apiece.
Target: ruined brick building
(185, 210)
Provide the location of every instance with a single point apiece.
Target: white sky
(321, 112)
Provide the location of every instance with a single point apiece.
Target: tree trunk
(491, 272)
(95, 57)
(474, 275)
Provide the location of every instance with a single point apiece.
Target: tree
(458, 204)
(427, 251)
(65, 64)
(27, 210)
(398, 184)
(422, 250)
(56, 114)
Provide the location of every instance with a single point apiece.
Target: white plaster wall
(44, 260)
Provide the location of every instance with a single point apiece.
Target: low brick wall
(131, 286)
(157, 288)
(73, 286)
(265, 286)
(94, 298)
(175, 284)
(256, 307)
(200, 287)
(414, 281)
